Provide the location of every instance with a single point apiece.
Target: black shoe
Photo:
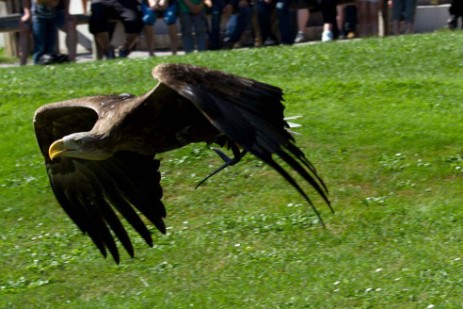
(452, 22)
(124, 53)
(110, 54)
(61, 58)
(47, 59)
(227, 43)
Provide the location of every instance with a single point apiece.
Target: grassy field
(383, 125)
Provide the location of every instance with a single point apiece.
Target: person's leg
(216, 16)
(230, 31)
(170, 18)
(238, 23)
(39, 32)
(409, 18)
(302, 19)
(362, 6)
(173, 36)
(199, 23)
(51, 36)
(350, 21)
(130, 39)
(373, 16)
(264, 10)
(24, 39)
(187, 32)
(328, 8)
(340, 18)
(149, 38)
(100, 28)
(284, 21)
(69, 26)
(452, 22)
(256, 27)
(129, 13)
(397, 9)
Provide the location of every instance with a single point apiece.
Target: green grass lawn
(382, 122)
(4, 59)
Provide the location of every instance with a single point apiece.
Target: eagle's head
(82, 145)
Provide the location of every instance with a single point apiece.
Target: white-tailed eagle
(100, 151)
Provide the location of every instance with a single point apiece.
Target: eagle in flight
(100, 151)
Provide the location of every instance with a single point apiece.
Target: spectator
(403, 9)
(368, 17)
(127, 11)
(45, 17)
(169, 11)
(455, 11)
(238, 22)
(193, 20)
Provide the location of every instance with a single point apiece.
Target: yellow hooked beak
(56, 149)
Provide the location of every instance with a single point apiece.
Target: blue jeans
(237, 24)
(284, 21)
(44, 31)
(197, 23)
(216, 16)
(264, 12)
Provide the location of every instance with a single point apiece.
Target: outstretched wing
(250, 113)
(87, 190)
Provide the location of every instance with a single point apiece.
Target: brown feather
(190, 104)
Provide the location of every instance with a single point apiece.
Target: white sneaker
(300, 37)
(327, 36)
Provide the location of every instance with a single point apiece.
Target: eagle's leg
(237, 155)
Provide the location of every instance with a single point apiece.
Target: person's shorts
(127, 11)
(169, 15)
(403, 10)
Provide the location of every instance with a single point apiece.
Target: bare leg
(302, 19)
(71, 37)
(24, 37)
(373, 18)
(173, 36)
(149, 38)
(102, 39)
(257, 33)
(130, 40)
(409, 28)
(340, 18)
(363, 18)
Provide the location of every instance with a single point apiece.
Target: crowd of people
(271, 22)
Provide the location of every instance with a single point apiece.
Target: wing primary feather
(68, 206)
(98, 229)
(113, 221)
(302, 172)
(131, 216)
(291, 180)
(125, 209)
(142, 194)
